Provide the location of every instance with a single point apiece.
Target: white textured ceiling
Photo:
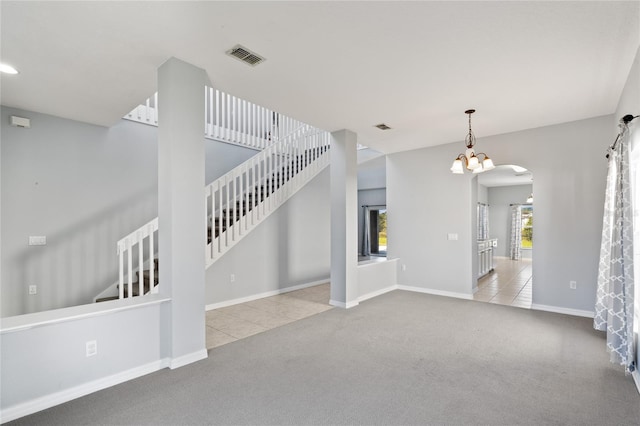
(416, 66)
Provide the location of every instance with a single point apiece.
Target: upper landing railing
(230, 119)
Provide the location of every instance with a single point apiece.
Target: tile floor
(508, 284)
(236, 322)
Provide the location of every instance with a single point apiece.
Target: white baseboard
(561, 310)
(436, 292)
(57, 398)
(343, 305)
(377, 293)
(636, 379)
(188, 359)
(253, 297)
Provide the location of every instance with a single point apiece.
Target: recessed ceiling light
(8, 69)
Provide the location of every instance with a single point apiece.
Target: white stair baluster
(129, 269)
(217, 112)
(140, 265)
(121, 272)
(220, 219)
(152, 268)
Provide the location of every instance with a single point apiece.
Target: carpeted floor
(401, 358)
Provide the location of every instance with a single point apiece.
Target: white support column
(344, 219)
(181, 207)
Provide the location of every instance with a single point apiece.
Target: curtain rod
(624, 121)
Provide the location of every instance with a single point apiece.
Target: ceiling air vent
(382, 126)
(245, 55)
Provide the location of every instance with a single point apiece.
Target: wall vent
(245, 55)
(382, 126)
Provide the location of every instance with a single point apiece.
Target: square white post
(181, 207)
(344, 219)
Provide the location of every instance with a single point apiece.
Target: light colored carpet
(401, 358)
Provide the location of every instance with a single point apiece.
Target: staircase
(291, 154)
(137, 288)
(244, 197)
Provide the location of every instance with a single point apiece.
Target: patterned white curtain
(483, 221)
(516, 232)
(614, 302)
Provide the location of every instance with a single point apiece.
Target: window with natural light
(526, 213)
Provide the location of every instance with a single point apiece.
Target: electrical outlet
(91, 347)
(404, 267)
(572, 285)
(33, 289)
(232, 278)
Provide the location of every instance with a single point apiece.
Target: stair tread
(106, 299)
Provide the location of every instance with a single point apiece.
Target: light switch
(38, 240)
(20, 122)
(452, 237)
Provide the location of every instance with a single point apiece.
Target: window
(526, 214)
(375, 231)
(382, 231)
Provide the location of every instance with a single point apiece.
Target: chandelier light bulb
(473, 162)
(487, 164)
(456, 168)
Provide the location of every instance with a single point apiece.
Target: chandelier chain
(470, 139)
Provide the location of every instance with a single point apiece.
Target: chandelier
(477, 163)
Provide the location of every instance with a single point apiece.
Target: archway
(505, 236)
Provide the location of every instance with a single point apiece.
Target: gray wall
(500, 197)
(483, 194)
(291, 247)
(629, 102)
(425, 202)
(83, 187)
(372, 174)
